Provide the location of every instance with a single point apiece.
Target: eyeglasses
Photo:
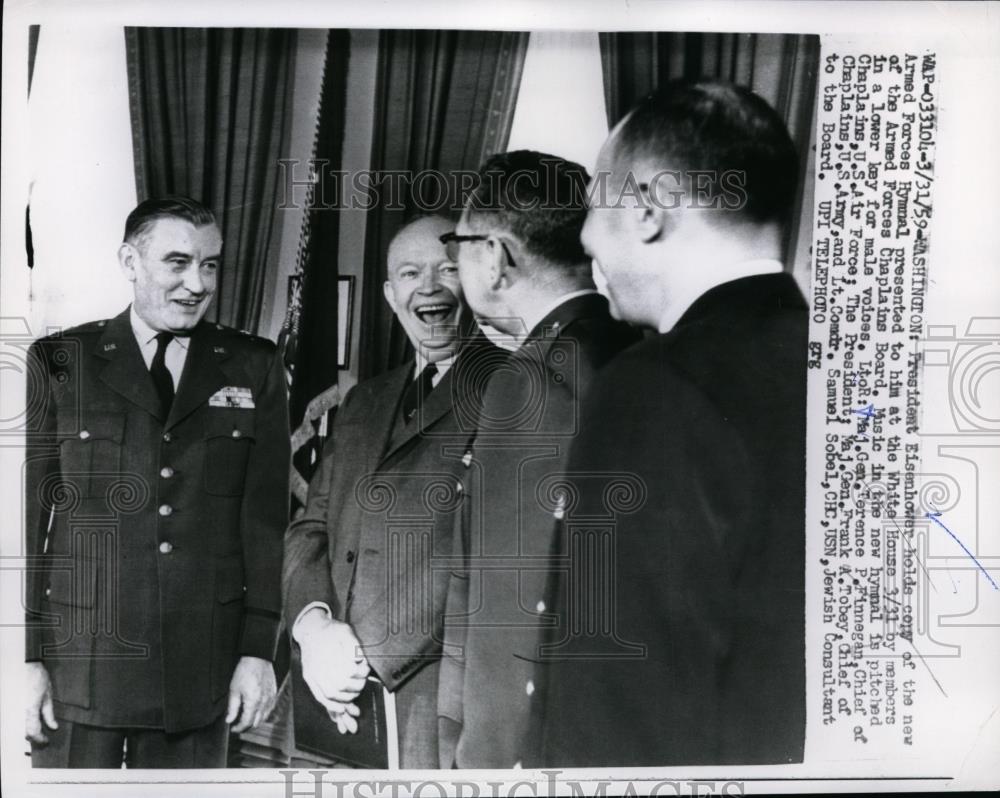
(452, 240)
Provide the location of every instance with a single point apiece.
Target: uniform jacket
(155, 542)
(702, 660)
(511, 488)
(375, 538)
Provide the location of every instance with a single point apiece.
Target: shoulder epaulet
(86, 327)
(242, 334)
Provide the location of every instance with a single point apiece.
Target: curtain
(210, 113)
(444, 101)
(781, 68)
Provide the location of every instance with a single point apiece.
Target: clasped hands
(333, 666)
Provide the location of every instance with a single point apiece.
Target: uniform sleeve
(40, 475)
(265, 515)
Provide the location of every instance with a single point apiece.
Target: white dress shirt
(442, 368)
(176, 352)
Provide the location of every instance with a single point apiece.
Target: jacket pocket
(227, 622)
(91, 452)
(70, 601)
(73, 588)
(229, 439)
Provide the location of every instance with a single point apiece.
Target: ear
(653, 222)
(501, 272)
(127, 256)
(390, 298)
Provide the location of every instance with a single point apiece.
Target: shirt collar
(532, 319)
(145, 334)
(687, 296)
(442, 365)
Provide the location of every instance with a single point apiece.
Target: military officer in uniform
(156, 499)
(524, 272)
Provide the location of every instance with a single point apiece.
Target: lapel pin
(219, 350)
(110, 347)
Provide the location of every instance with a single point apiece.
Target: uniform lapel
(202, 376)
(125, 371)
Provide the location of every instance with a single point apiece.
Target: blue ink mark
(934, 516)
(866, 412)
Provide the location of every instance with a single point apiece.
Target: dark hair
(539, 198)
(171, 207)
(715, 127)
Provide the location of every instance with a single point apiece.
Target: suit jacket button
(165, 510)
(166, 437)
(166, 547)
(529, 688)
(540, 606)
(350, 556)
(48, 591)
(84, 434)
(237, 433)
(458, 486)
(166, 472)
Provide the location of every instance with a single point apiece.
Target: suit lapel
(202, 376)
(437, 404)
(125, 371)
(386, 399)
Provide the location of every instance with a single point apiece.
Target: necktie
(161, 376)
(417, 391)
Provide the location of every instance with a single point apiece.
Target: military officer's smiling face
(173, 267)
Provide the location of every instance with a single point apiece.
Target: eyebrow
(187, 255)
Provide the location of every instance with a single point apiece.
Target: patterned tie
(161, 376)
(417, 392)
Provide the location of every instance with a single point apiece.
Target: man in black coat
(698, 599)
(524, 272)
(156, 497)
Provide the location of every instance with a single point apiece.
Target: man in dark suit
(703, 661)
(524, 272)
(362, 588)
(156, 496)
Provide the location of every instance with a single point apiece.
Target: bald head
(426, 229)
(730, 148)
